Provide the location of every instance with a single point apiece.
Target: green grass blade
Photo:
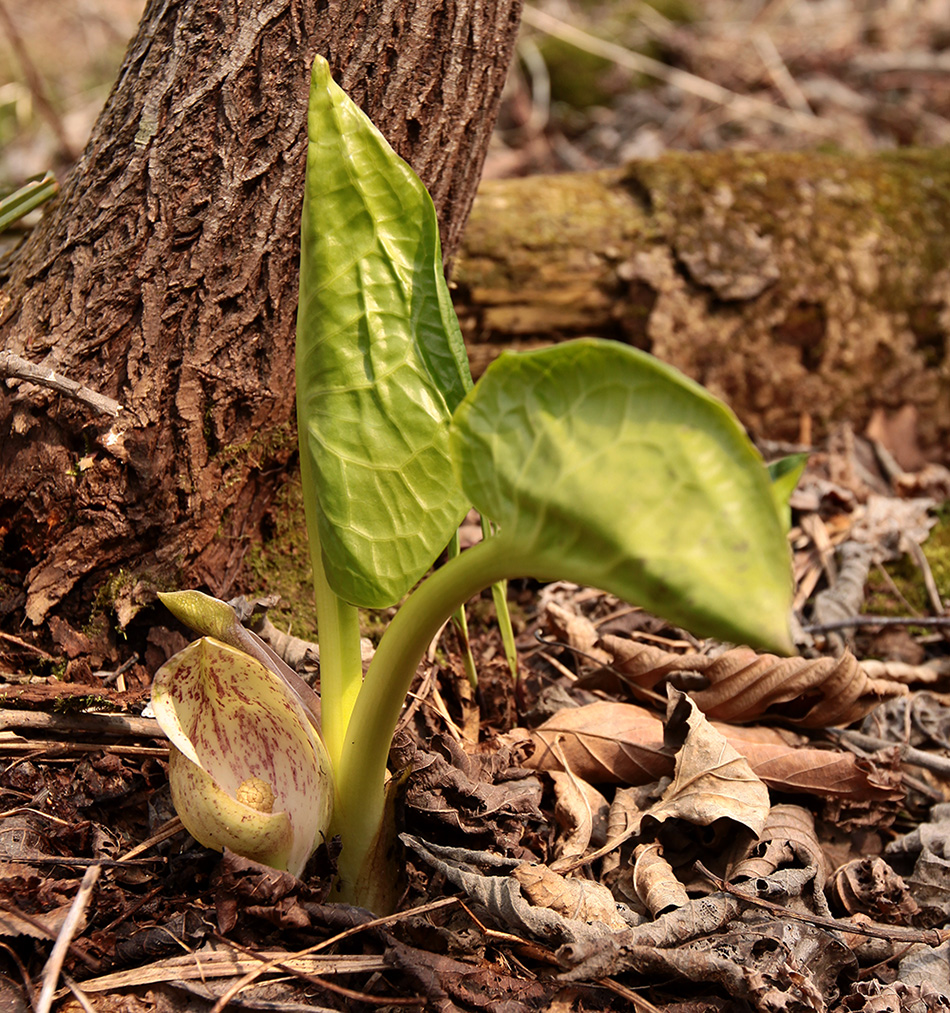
(23, 200)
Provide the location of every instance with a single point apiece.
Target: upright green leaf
(602, 465)
(786, 473)
(380, 359)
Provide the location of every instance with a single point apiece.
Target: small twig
(57, 751)
(43, 930)
(110, 677)
(842, 624)
(780, 73)
(64, 940)
(25, 643)
(640, 1004)
(24, 976)
(169, 829)
(13, 365)
(267, 965)
(933, 592)
(894, 589)
(909, 754)
(93, 724)
(738, 105)
(86, 863)
(78, 994)
(314, 979)
(893, 933)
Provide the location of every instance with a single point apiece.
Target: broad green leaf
(785, 474)
(604, 466)
(380, 359)
(236, 727)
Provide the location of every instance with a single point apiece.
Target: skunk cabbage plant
(590, 460)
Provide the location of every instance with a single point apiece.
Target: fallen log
(794, 286)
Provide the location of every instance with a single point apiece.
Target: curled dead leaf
(622, 743)
(787, 837)
(711, 779)
(654, 881)
(581, 811)
(870, 886)
(744, 685)
(579, 899)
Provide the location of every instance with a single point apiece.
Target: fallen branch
(14, 366)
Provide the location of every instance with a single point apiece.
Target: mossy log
(791, 285)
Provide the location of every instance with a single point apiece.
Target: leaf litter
(644, 818)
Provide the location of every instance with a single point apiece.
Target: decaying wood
(165, 276)
(789, 284)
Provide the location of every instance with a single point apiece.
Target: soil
(86, 822)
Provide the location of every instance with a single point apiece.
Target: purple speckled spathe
(241, 720)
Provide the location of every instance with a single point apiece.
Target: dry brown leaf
(788, 836)
(604, 743)
(580, 899)
(622, 743)
(654, 881)
(577, 631)
(744, 685)
(870, 886)
(711, 779)
(43, 926)
(581, 811)
(803, 770)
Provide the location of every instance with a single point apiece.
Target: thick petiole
(362, 770)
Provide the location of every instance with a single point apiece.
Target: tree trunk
(166, 276)
(790, 285)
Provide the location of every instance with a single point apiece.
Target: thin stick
(55, 963)
(738, 105)
(315, 979)
(22, 369)
(169, 829)
(94, 724)
(78, 994)
(842, 624)
(266, 965)
(780, 73)
(909, 754)
(43, 930)
(55, 751)
(25, 643)
(893, 933)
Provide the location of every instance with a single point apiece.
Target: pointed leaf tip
(380, 359)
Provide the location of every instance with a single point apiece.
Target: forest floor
(835, 896)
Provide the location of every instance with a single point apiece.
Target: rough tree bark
(789, 284)
(166, 277)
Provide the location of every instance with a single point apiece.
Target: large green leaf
(380, 360)
(604, 466)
